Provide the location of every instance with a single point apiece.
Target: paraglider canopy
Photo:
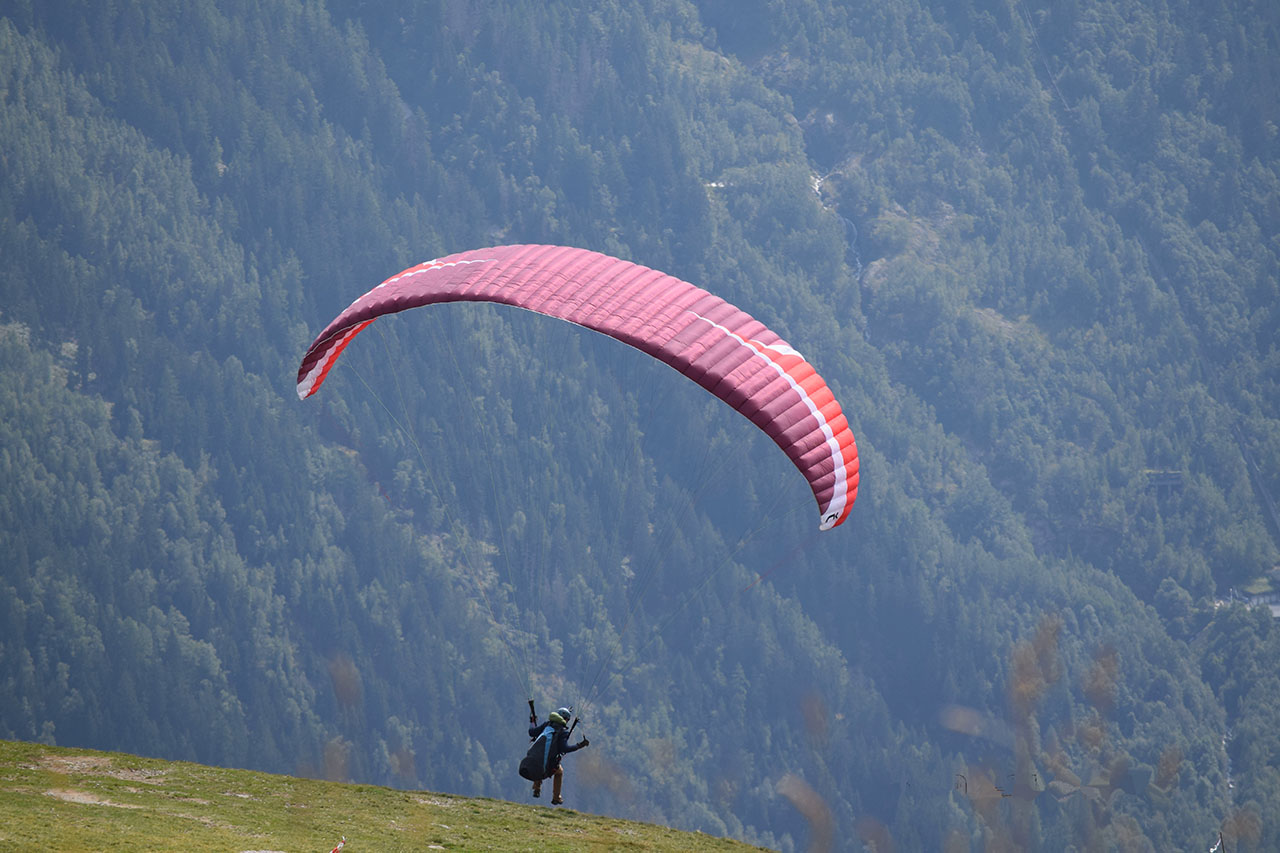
(714, 343)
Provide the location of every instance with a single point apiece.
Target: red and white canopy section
(714, 343)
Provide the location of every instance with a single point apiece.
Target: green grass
(1261, 585)
(63, 799)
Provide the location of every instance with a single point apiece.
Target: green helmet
(555, 719)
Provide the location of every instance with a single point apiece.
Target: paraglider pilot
(550, 744)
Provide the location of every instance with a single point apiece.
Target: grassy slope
(57, 798)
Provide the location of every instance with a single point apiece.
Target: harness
(549, 733)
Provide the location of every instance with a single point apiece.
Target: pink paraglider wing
(714, 343)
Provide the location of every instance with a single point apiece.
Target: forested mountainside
(1033, 247)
